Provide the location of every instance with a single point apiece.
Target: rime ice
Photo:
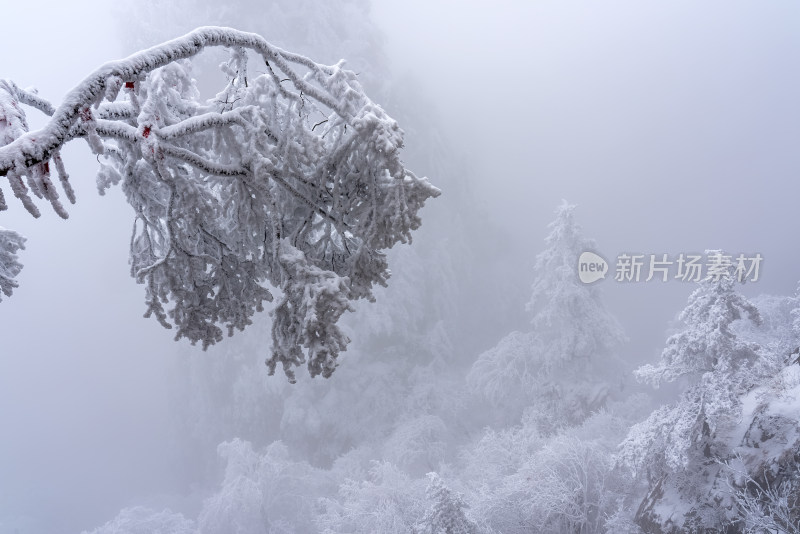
(291, 178)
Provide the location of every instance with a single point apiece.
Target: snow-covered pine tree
(563, 368)
(291, 177)
(679, 447)
(446, 514)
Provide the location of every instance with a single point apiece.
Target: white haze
(673, 126)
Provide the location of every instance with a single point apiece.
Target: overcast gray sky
(674, 127)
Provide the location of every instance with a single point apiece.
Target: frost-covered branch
(10, 243)
(290, 179)
(765, 506)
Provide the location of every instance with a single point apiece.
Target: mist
(668, 126)
(671, 128)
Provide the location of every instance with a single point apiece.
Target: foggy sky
(673, 126)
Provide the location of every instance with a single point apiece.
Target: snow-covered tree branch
(10, 243)
(290, 176)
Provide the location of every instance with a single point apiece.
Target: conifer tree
(564, 365)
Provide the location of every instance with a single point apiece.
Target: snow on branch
(10, 243)
(291, 178)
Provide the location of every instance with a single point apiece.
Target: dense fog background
(673, 127)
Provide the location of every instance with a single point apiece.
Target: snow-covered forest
(488, 388)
